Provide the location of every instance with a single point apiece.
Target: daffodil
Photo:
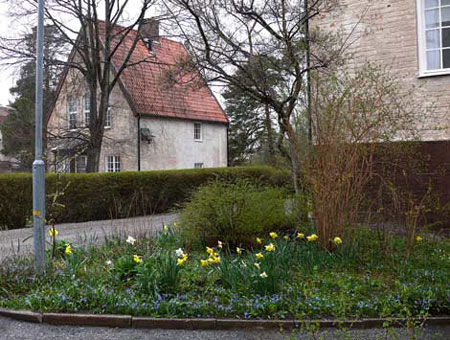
(263, 275)
(337, 240)
(53, 232)
(273, 235)
(312, 238)
(204, 263)
(214, 254)
(180, 262)
(137, 259)
(131, 240)
(258, 240)
(166, 228)
(185, 257)
(238, 250)
(257, 265)
(419, 239)
(108, 263)
(259, 256)
(300, 235)
(219, 244)
(179, 252)
(270, 247)
(68, 250)
(210, 260)
(286, 237)
(209, 250)
(175, 224)
(217, 259)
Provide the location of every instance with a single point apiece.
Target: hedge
(100, 196)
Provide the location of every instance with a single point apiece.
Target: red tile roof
(151, 93)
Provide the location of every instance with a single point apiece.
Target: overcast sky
(6, 76)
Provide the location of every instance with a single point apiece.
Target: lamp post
(38, 164)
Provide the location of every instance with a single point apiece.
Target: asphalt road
(17, 330)
(20, 241)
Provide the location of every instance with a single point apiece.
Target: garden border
(128, 321)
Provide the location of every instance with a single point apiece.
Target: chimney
(150, 29)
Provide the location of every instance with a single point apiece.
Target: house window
(434, 37)
(73, 110)
(198, 166)
(108, 118)
(113, 164)
(197, 131)
(87, 109)
(80, 164)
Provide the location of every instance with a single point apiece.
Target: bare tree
(264, 41)
(97, 33)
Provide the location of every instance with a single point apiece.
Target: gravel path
(20, 241)
(16, 330)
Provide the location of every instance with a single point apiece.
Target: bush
(98, 196)
(235, 213)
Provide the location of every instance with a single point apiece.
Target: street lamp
(38, 164)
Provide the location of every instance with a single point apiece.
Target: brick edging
(128, 321)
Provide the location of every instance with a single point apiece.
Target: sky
(6, 76)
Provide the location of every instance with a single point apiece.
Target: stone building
(151, 125)
(409, 37)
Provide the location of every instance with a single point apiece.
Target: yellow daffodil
(300, 235)
(53, 232)
(263, 275)
(259, 256)
(270, 247)
(204, 263)
(312, 238)
(214, 254)
(166, 228)
(210, 260)
(273, 235)
(180, 262)
(286, 237)
(217, 259)
(209, 250)
(238, 250)
(68, 250)
(419, 239)
(257, 265)
(337, 240)
(258, 240)
(175, 224)
(137, 259)
(185, 257)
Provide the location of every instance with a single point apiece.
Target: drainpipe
(139, 143)
(227, 148)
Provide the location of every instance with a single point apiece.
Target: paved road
(15, 330)
(20, 241)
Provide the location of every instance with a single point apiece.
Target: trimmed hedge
(102, 196)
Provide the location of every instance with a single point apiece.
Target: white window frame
(201, 132)
(421, 29)
(108, 118)
(71, 114)
(198, 165)
(77, 159)
(87, 109)
(113, 164)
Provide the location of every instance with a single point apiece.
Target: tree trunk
(270, 141)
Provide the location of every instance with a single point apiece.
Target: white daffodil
(131, 240)
(179, 252)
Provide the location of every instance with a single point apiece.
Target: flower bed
(285, 276)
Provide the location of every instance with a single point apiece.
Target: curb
(128, 321)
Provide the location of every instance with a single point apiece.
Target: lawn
(285, 276)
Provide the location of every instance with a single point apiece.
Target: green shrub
(98, 196)
(235, 213)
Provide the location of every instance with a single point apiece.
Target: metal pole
(38, 164)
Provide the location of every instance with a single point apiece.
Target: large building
(412, 39)
(151, 125)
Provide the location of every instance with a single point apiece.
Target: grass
(297, 279)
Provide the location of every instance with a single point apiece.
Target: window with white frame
(87, 109)
(81, 164)
(72, 106)
(113, 163)
(198, 132)
(108, 118)
(198, 166)
(434, 36)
